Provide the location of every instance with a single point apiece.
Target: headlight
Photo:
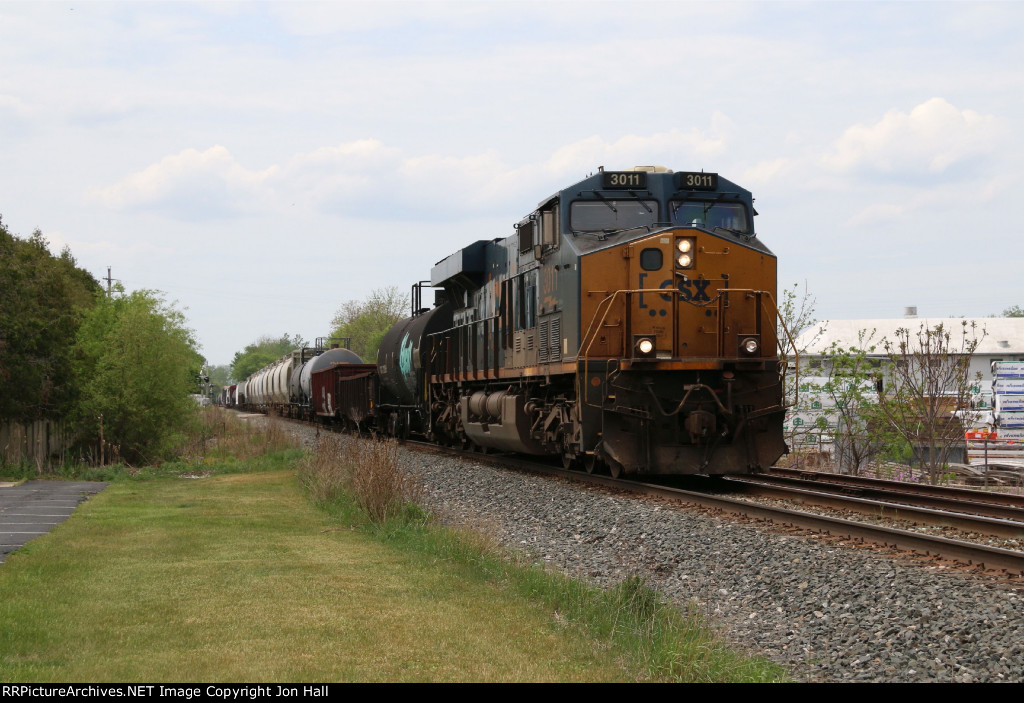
(685, 248)
(644, 346)
(750, 346)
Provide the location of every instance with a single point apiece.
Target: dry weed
(379, 484)
(327, 469)
(367, 469)
(225, 433)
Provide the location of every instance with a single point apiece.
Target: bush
(365, 471)
(136, 364)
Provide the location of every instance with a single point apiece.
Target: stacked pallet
(1004, 444)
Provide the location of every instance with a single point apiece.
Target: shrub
(367, 471)
(136, 363)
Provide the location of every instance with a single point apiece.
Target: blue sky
(262, 163)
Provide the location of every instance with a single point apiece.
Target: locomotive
(627, 325)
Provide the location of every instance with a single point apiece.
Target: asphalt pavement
(34, 507)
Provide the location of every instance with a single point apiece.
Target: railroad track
(967, 514)
(923, 490)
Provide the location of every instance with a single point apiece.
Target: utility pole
(110, 283)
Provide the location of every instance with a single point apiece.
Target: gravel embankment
(829, 612)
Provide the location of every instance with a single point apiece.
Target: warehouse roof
(998, 335)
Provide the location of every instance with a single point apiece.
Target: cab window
(600, 215)
(709, 214)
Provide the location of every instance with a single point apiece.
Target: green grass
(239, 578)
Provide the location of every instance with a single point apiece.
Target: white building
(1000, 339)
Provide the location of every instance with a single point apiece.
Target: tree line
(116, 369)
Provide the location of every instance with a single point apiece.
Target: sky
(261, 163)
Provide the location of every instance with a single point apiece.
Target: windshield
(600, 215)
(710, 214)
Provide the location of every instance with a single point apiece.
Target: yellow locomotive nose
(691, 295)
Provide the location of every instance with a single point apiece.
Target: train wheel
(591, 463)
(614, 468)
(570, 459)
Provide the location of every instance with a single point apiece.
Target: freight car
(628, 325)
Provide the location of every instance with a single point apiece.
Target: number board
(624, 179)
(697, 181)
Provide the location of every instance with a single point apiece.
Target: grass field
(238, 578)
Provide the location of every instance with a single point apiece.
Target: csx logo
(688, 290)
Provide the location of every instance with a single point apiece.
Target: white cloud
(367, 177)
(189, 185)
(945, 201)
(881, 212)
(348, 172)
(313, 19)
(765, 172)
(14, 105)
(56, 241)
(928, 140)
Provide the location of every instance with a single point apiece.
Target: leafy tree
(796, 314)
(929, 380)
(366, 322)
(854, 376)
(261, 352)
(1013, 311)
(220, 374)
(42, 301)
(136, 364)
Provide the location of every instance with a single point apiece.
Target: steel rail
(972, 494)
(885, 508)
(952, 503)
(983, 556)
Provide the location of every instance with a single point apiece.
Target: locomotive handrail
(580, 394)
(589, 337)
(606, 303)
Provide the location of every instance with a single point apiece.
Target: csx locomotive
(627, 325)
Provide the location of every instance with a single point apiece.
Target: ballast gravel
(828, 611)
